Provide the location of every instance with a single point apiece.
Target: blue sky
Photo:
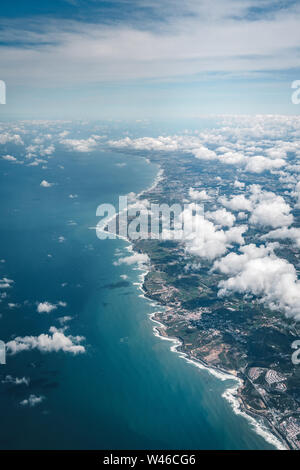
(148, 59)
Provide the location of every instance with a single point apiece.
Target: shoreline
(260, 425)
(231, 393)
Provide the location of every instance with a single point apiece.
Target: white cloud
(283, 233)
(192, 267)
(53, 342)
(234, 263)
(168, 143)
(258, 271)
(9, 158)
(7, 137)
(204, 239)
(81, 145)
(63, 134)
(241, 153)
(236, 203)
(277, 152)
(13, 305)
(232, 158)
(221, 217)
(203, 153)
(64, 320)
(37, 161)
(139, 258)
(16, 380)
(32, 401)
(198, 195)
(259, 164)
(45, 307)
(238, 184)
(267, 209)
(6, 283)
(45, 184)
(46, 151)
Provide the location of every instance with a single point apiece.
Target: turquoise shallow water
(129, 391)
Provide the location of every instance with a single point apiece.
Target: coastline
(261, 425)
(231, 394)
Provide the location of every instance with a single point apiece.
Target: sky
(139, 59)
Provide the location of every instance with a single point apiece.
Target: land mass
(234, 335)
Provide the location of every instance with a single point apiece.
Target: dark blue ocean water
(129, 391)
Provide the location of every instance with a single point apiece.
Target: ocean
(129, 390)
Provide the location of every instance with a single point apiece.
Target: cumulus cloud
(192, 267)
(9, 158)
(284, 233)
(184, 143)
(238, 184)
(258, 271)
(45, 307)
(64, 320)
(32, 401)
(6, 283)
(13, 305)
(55, 341)
(197, 145)
(267, 209)
(46, 184)
(258, 164)
(221, 217)
(204, 239)
(150, 143)
(37, 162)
(232, 158)
(203, 153)
(198, 195)
(6, 137)
(81, 145)
(16, 380)
(46, 151)
(139, 258)
(236, 203)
